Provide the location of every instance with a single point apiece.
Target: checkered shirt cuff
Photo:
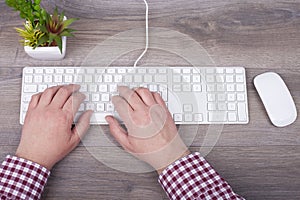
(22, 179)
(192, 177)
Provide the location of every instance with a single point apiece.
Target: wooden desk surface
(257, 159)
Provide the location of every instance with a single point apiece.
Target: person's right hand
(152, 135)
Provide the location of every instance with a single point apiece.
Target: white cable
(147, 36)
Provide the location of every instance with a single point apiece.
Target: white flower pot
(47, 53)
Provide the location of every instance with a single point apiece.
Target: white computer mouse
(276, 98)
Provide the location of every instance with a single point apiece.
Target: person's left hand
(47, 135)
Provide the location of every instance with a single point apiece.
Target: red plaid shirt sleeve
(22, 179)
(192, 177)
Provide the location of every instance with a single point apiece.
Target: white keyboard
(193, 95)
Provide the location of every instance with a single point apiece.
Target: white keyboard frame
(206, 74)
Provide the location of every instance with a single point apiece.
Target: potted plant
(44, 35)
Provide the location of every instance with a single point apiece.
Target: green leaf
(68, 22)
(66, 33)
(59, 43)
(37, 2)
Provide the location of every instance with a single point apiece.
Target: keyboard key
(229, 71)
(93, 88)
(59, 71)
(186, 88)
(217, 116)
(68, 78)
(70, 71)
(230, 87)
(210, 78)
(188, 108)
(103, 88)
(198, 117)
(28, 71)
(39, 71)
(177, 79)
(186, 78)
(88, 78)
(197, 88)
(177, 117)
(38, 79)
(229, 79)
(30, 88)
(220, 88)
(105, 97)
(221, 97)
(231, 97)
(28, 79)
(240, 87)
(138, 78)
(210, 88)
(211, 106)
(27, 97)
(239, 70)
(148, 78)
(90, 106)
(49, 70)
(220, 79)
(118, 78)
(121, 71)
(177, 88)
(107, 78)
(232, 117)
(48, 78)
(96, 97)
(161, 78)
(100, 107)
(211, 97)
(42, 88)
(222, 106)
(58, 79)
(186, 71)
(111, 71)
(239, 78)
(152, 71)
(231, 106)
(196, 79)
(188, 117)
(78, 79)
(242, 115)
(110, 107)
(240, 97)
(128, 79)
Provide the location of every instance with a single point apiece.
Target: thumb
(117, 131)
(82, 125)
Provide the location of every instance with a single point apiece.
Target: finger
(48, 95)
(35, 100)
(117, 131)
(73, 103)
(131, 97)
(63, 94)
(159, 100)
(81, 127)
(146, 96)
(123, 108)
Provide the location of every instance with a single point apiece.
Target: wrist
(159, 171)
(35, 159)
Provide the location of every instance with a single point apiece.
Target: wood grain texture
(257, 159)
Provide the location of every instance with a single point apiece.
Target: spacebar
(99, 118)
